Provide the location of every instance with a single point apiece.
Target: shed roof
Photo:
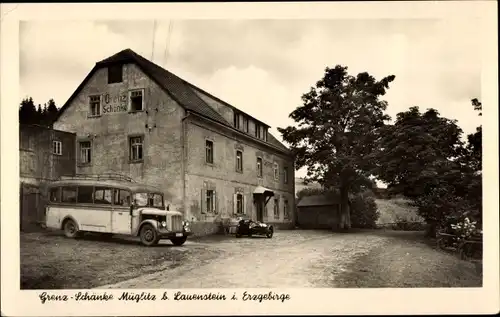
(180, 90)
(317, 200)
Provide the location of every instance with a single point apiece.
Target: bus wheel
(70, 229)
(178, 241)
(148, 235)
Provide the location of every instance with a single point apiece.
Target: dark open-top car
(247, 227)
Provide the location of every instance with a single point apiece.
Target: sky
(263, 67)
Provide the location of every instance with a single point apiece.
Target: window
(136, 100)
(239, 204)
(285, 210)
(276, 208)
(245, 124)
(257, 131)
(103, 196)
(115, 74)
(259, 167)
(285, 175)
(148, 199)
(57, 147)
(210, 201)
(54, 195)
(276, 171)
(122, 197)
(94, 106)
(237, 120)
(68, 195)
(264, 134)
(209, 152)
(136, 151)
(85, 194)
(239, 161)
(85, 152)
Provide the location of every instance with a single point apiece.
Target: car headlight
(185, 223)
(163, 223)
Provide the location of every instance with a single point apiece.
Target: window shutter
(244, 204)
(235, 203)
(203, 201)
(216, 203)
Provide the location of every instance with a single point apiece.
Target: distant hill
(299, 184)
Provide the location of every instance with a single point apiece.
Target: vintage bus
(113, 204)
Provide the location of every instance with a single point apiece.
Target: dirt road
(316, 259)
(297, 258)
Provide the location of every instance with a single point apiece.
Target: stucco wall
(159, 124)
(222, 174)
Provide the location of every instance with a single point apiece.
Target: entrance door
(260, 209)
(121, 221)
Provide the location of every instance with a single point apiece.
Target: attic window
(136, 100)
(115, 74)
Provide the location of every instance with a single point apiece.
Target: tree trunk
(345, 213)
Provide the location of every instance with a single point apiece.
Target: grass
(394, 209)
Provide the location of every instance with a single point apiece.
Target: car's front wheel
(148, 235)
(269, 234)
(178, 241)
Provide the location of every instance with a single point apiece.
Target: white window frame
(209, 159)
(95, 99)
(210, 205)
(276, 171)
(239, 161)
(286, 210)
(85, 158)
(134, 145)
(260, 168)
(130, 93)
(276, 209)
(57, 147)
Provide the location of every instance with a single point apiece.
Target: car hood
(159, 212)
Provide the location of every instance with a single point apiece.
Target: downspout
(183, 164)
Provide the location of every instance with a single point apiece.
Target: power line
(154, 33)
(167, 44)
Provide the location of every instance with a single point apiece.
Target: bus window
(102, 196)
(54, 195)
(85, 194)
(122, 197)
(68, 195)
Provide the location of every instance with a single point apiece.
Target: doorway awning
(263, 191)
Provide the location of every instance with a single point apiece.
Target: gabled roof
(178, 89)
(317, 200)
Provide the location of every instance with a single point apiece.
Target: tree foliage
(423, 157)
(29, 113)
(337, 127)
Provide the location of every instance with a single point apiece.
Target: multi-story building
(211, 160)
(44, 155)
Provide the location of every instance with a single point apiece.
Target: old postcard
(249, 158)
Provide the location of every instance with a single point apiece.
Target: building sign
(114, 103)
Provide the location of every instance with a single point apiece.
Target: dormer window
(237, 120)
(115, 74)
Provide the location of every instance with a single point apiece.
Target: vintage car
(248, 227)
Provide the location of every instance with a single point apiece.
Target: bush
(364, 212)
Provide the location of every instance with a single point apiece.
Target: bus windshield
(148, 199)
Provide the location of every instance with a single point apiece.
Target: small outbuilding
(318, 212)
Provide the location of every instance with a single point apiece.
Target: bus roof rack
(103, 176)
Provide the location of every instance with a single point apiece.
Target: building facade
(211, 160)
(44, 155)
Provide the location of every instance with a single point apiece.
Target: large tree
(28, 111)
(337, 127)
(423, 157)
